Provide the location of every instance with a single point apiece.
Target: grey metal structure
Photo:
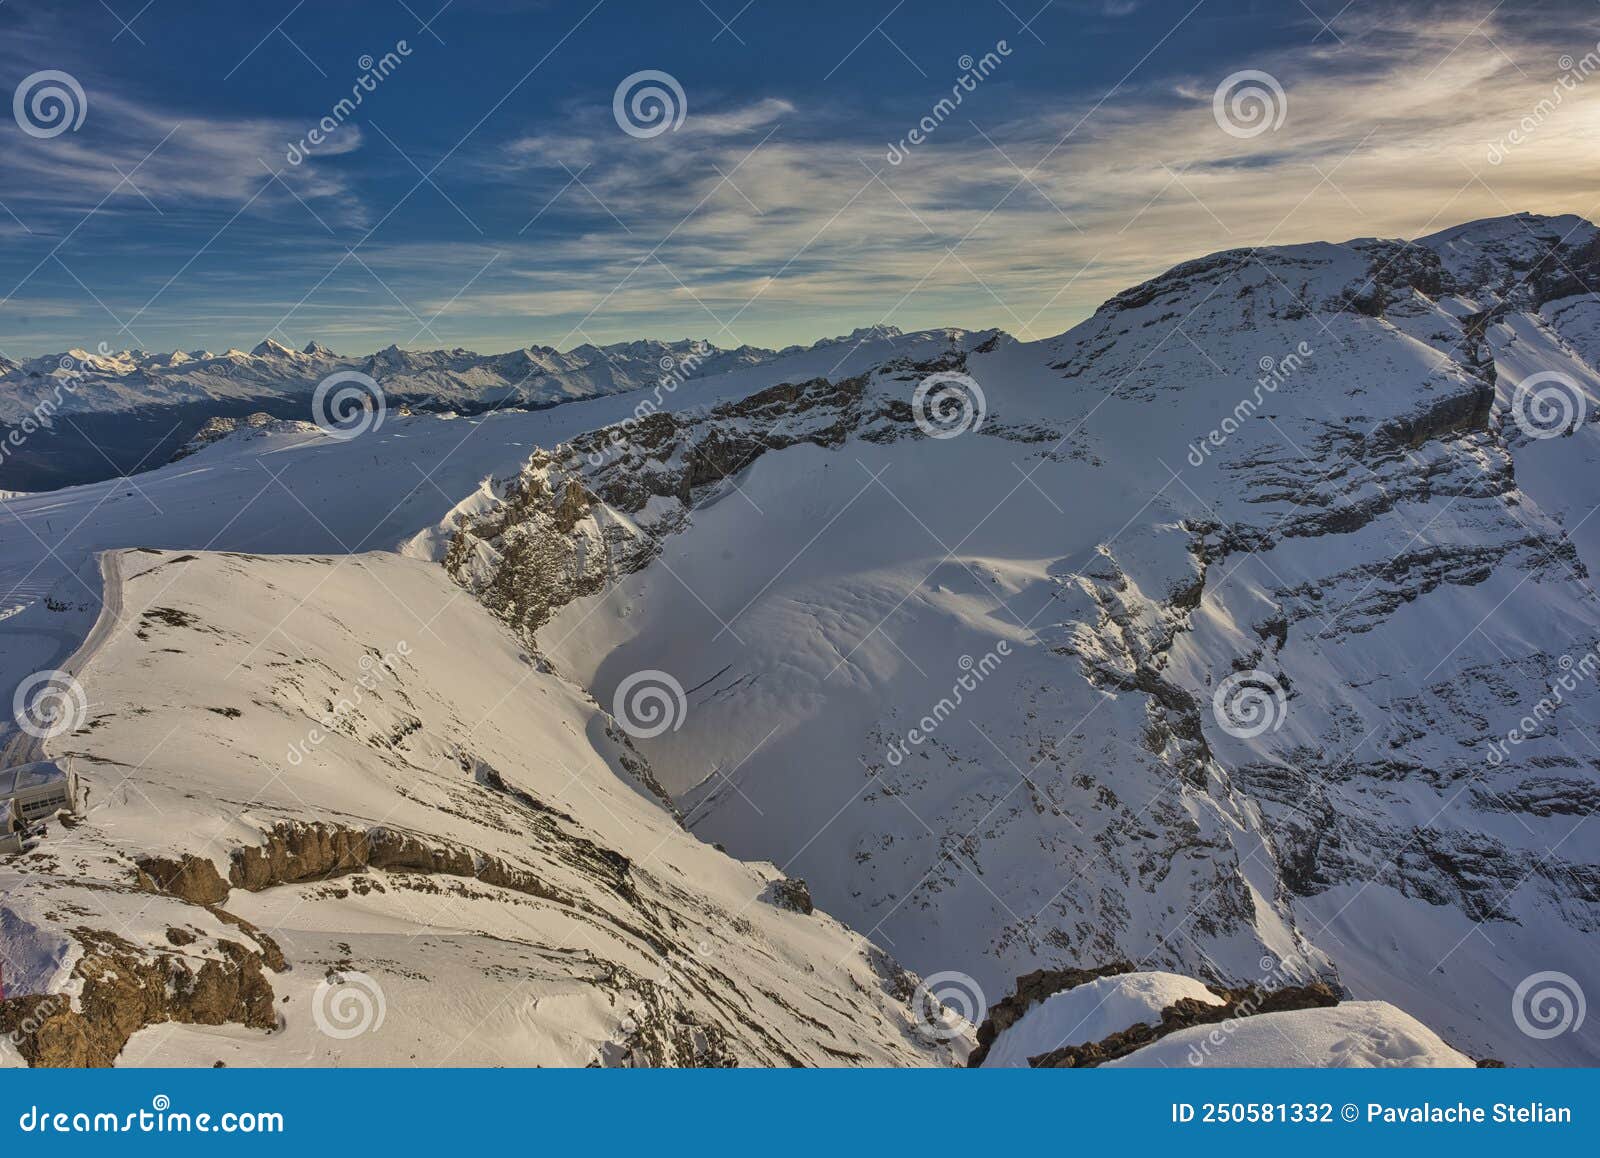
(38, 790)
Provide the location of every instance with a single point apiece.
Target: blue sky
(485, 195)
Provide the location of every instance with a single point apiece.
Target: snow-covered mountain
(1243, 634)
(461, 379)
(85, 401)
(1126, 1018)
(966, 686)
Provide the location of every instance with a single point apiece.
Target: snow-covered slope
(969, 687)
(367, 809)
(1355, 1035)
(1092, 1012)
(991, 694)
(294, 489)
(1145, 1019)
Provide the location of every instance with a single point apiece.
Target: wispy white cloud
(181, 159)
(133, 150)
(780, 219)
(1031, 216)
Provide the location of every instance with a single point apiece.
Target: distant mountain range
(156, 401)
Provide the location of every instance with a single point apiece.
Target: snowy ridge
(79, 381)
(974, 690)
(1341, 537)
(1139, 1019)
(362, 797)
(79, 416)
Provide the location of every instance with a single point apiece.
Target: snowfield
(1354, 1035)
(365, 699)
(1093, 1012)
(1225, 644)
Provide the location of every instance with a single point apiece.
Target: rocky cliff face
(1248, 626)
(584, 514)
(1295, 476)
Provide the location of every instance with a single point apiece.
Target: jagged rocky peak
(251, 425)
(1246, 470)
(272, 348)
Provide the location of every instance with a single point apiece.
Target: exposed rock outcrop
(124, 988)
(1245, 1002)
